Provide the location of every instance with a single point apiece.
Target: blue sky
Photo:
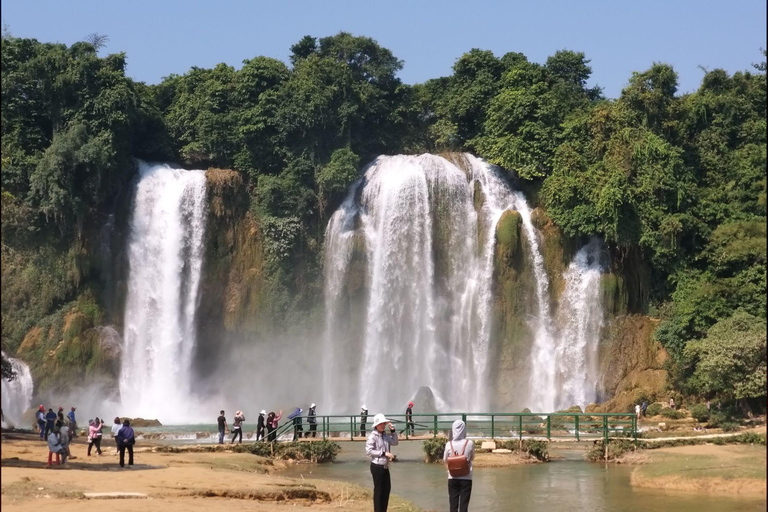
(164, 37)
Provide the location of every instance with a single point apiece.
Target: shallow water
(567, 484)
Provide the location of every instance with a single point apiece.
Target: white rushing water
(165, 255)
(581, 316)
(429, 267)
(17, 394)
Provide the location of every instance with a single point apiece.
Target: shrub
(672, 414)
(700, 412)
(434, 449)
(653, 409)
(616, 448)
(319, 451)
(729, 426)
(533, 447)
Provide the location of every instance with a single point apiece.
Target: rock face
(632, 363)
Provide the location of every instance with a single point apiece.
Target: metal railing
(521, 425)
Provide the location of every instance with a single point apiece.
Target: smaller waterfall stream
(165, 253)
(17, 394)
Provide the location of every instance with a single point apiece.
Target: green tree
(731, 361)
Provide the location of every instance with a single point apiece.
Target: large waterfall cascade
(424, 325)
(165, 256)
(17, 394)
(428, 246)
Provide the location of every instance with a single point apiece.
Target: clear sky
(162, 37)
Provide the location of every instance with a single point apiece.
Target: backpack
(458, 465)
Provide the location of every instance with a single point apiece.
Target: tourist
(272, 422)
(363, 419)
(409, 426)
(298, 429)
(377, 447)
(50, 420)
(55, 447)
(458, 456)
(707, 405)
(671, 403)
(94, 435)
(637, 411)
(72, 423)
(60, 415)
(222, 421)
(644, 407)
(116, 426)
(312, 421)
(64, 437)
(237, 427)
(40, 415)
(260, 425)
(126, 438)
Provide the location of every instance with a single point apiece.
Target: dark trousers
(48, 429)
(260, 434)
(235, 433)
(382, 486)
(124, 447)
(362, 430)
(312, 430)
(41, 424)
(221, 436)
(271, 434)
(95, 441)
(459, 492)
(297, 431)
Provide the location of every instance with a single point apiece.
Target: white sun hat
(312, 405)
(363, 406)
(263, 412)
(379, 419)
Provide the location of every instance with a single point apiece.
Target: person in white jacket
(459, 487)
(377, 447)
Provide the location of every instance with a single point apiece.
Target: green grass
(742, 461)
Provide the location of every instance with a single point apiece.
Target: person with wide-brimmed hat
(237, 427)
(260, 425)
(377, 447)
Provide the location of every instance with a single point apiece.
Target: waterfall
(428, 269)
(16, 393)
(165, 256)
(581, 317)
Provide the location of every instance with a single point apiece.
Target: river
(570, 483)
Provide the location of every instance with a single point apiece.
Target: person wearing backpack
(126, 438)
(458, 456)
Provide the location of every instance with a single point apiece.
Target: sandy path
(172, 481)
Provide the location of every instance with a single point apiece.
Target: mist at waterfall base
(416, 237)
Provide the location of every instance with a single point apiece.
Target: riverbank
(174, 482)
(706, 469)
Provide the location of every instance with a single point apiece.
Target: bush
(434, 449)
(653, 409)
(539, 450)
(616, 448)
(672, 414)
(700, 412)
(729, 426)
(319, 451)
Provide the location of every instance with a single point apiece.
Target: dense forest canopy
(674, 183)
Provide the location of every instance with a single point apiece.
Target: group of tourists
(59, 430)
(458, 456)
(266, 423)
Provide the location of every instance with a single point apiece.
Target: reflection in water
(570, 484)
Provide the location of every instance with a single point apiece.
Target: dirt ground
(172, 482)
(725, 469)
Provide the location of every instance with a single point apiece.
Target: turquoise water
(567, 484)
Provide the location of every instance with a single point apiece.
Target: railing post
(634, 428)
(493, 427)
(324, 431)
(549, 426)
(434, 430)
(520, 428)
(351, 428)
(605, 429)
(576, 426)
